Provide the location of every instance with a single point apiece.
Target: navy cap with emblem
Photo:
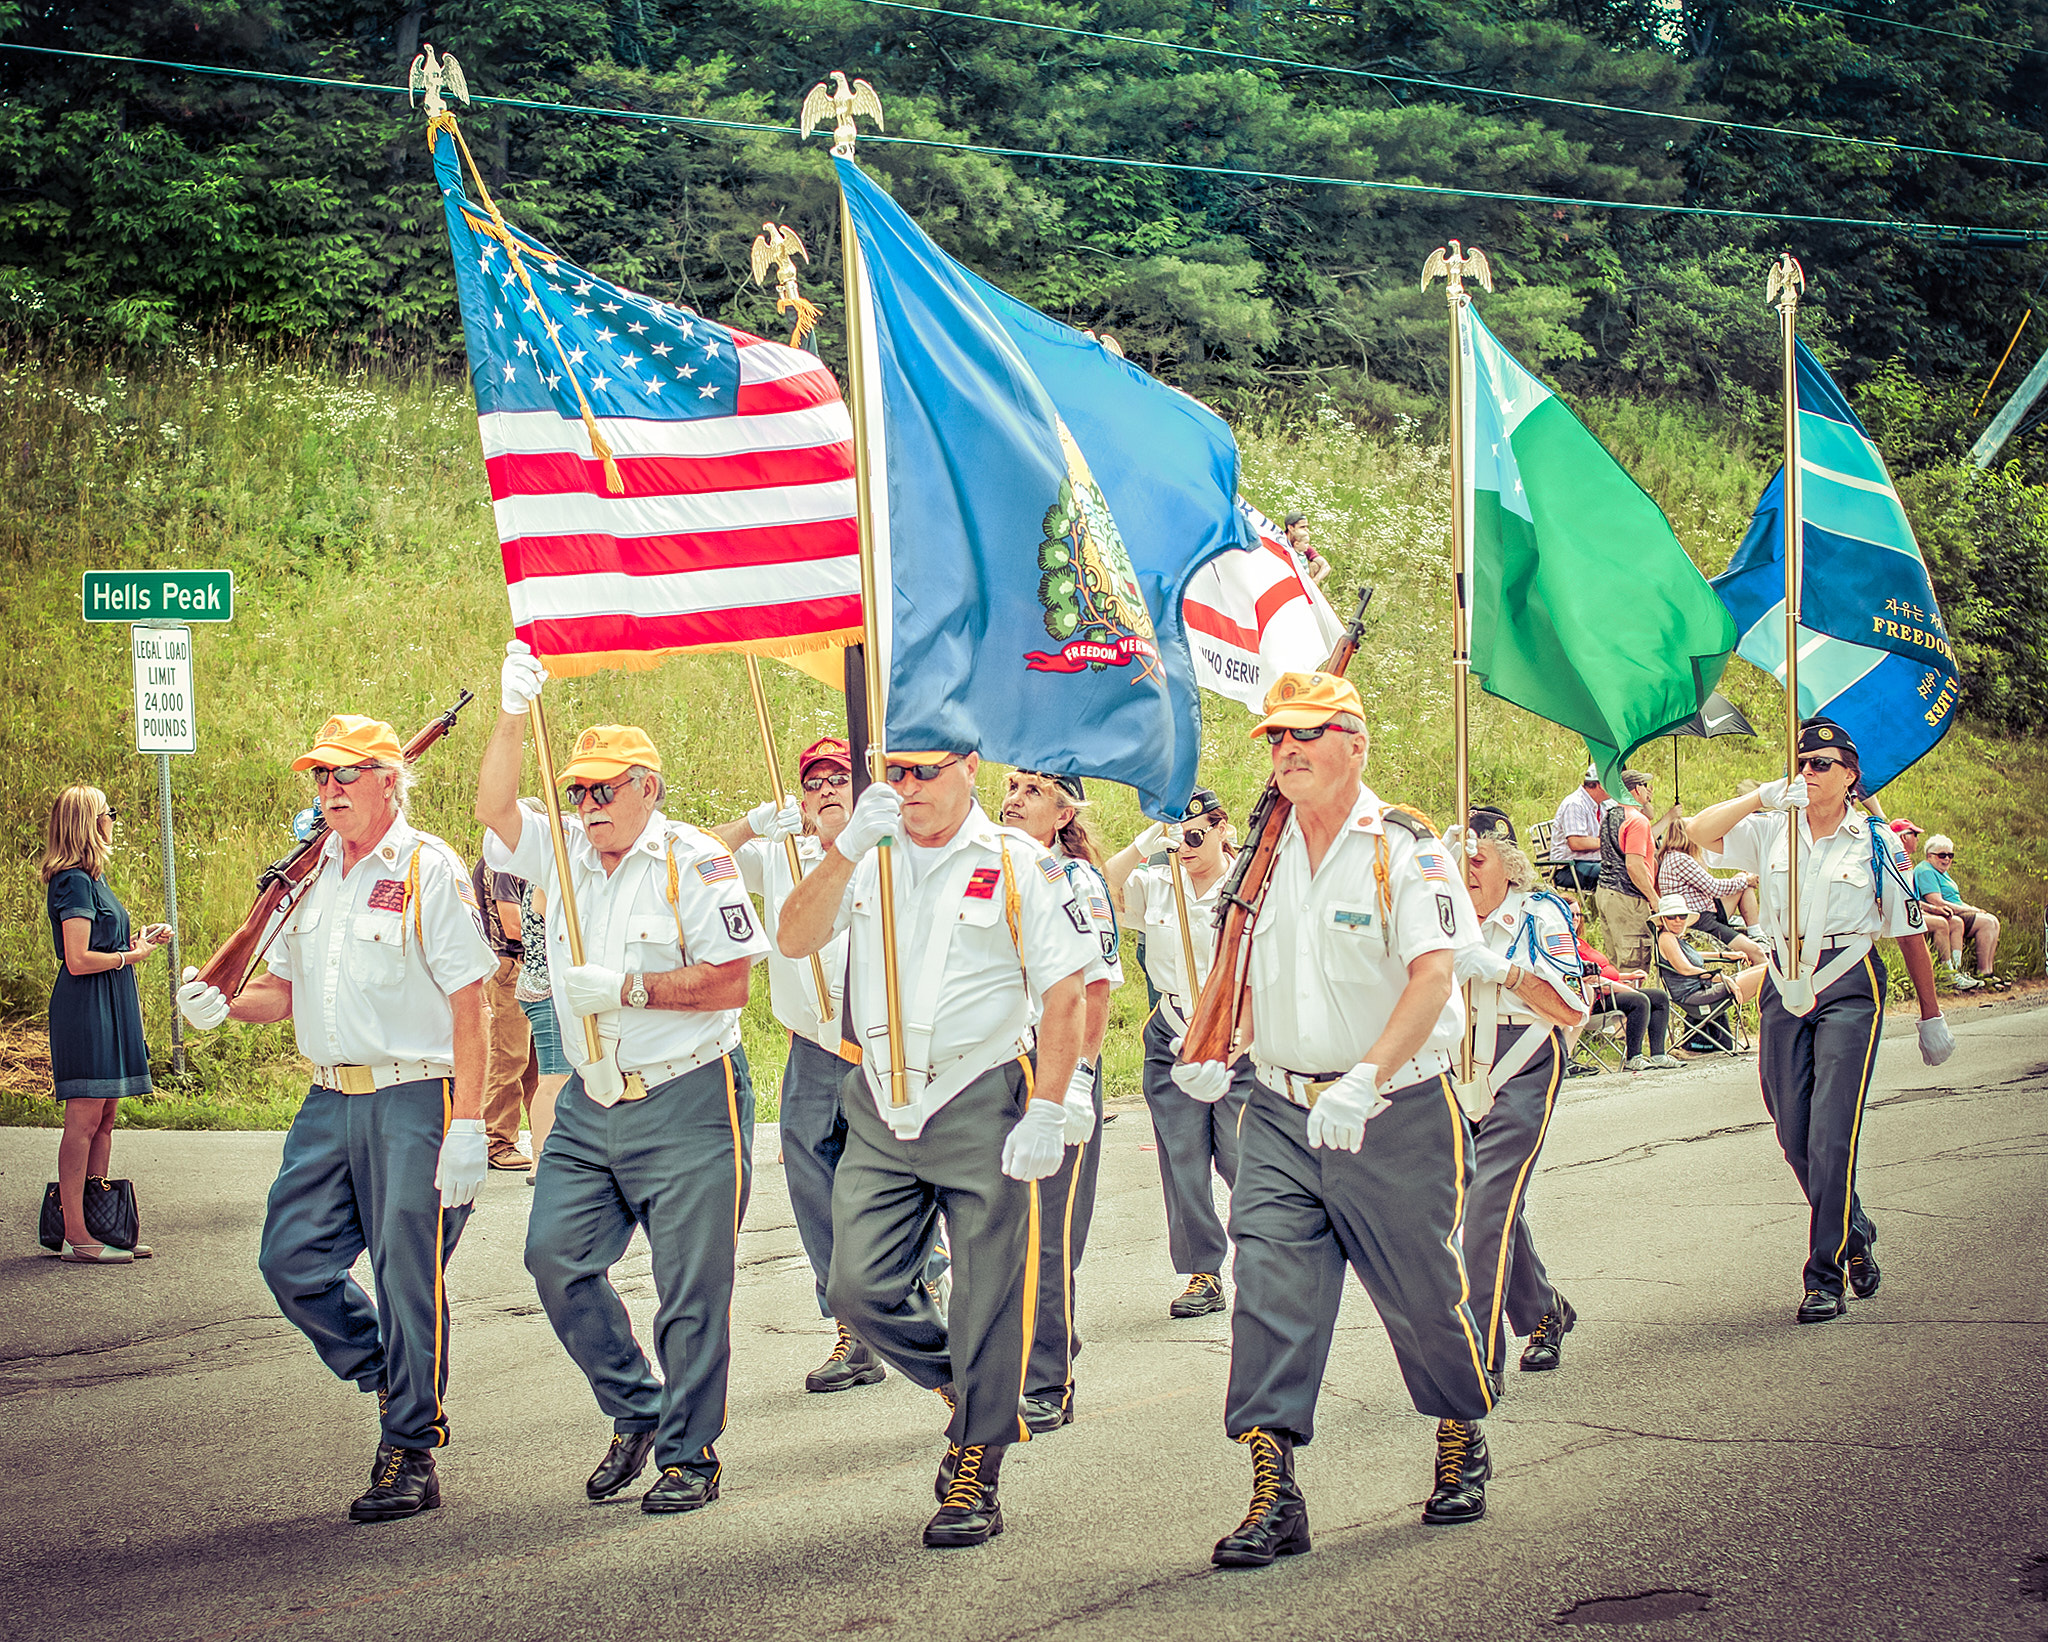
(1488, 822)
(1824, 735)
(1068, 784)
(1200, 803)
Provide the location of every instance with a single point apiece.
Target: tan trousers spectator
(511, 1074)
(1626, 918)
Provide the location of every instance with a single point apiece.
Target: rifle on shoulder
(1219, 1011)
(281, 885)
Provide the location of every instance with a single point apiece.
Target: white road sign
(165, 721)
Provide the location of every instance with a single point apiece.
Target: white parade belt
(1836, 958)
(382, 1074)
(1172, 1015)
(1306, 1088)
(1492, 1068)
(644, 1080)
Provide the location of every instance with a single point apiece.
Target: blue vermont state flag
(1873, 654)
(1039, 505)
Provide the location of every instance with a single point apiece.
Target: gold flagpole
(843, 102)
(796, 865)
(539, 720)
(1191, 980)
(1454, 263)
(1786, 281)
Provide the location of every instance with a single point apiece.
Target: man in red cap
(380, 969)
(813, 1126)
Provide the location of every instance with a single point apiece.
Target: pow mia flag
(739, 923)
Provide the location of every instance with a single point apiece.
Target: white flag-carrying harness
(1252, 615)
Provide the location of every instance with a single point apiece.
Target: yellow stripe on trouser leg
(441, 1271)
(1862, 1091)
(1030, 1274)
(1507, 1234)
(1458, 1127)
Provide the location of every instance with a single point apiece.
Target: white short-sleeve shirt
(1534, 931)
(1853, 902)
(1577, 817)
(969, 989)
(1091, 895)
(1330, 955)
(792, 983)
(1148, 895)
(373, 954)
(630, 923)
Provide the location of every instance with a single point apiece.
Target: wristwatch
(636, 990)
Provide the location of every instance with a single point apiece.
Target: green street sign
(159, 595)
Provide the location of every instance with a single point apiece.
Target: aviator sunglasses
(348, 774)
(818, 783)
(603, 791)
(1303, 732)
(923, 772)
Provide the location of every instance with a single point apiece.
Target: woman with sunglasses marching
(97, 1051)
(1191, 1136)
(1822, 1003)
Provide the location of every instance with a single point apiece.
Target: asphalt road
(178, 1463)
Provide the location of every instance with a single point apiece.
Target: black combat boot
(969, 1514)
(402, 1484)
(1276, 1525)
(850, 1364)
(1462, 1467)
(1819, 1306)
(1542, 1351)
(1202, 1296)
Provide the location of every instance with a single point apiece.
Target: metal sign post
(166, 722)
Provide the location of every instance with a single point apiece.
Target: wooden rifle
(1219, 1011)
(281, 885)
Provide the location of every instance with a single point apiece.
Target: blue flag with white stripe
(1873, 653)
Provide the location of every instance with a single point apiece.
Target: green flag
(1585, 610)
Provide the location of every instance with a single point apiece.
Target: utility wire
(1956, 233)
(1382, 75)
(1917, 28)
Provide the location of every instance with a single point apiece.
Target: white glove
(520, 677)
(1151, 840)
(1782, 794)
(1205, 1080)
(878, 815)
(1032, 1150)
(465, 1160)
(1081, 1105)
(593, 989)
(1342, 1111)
(204, 1006)
(766, 821)
(1937, 1042)
(1478, 962)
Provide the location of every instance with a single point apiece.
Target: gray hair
(401, 789)
(1521, 870)
(1356, 725)
(641, 773)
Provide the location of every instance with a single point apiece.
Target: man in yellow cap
(658, 1131)
(380, 969)
(1353, 1149)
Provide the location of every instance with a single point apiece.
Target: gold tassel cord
(497, 230)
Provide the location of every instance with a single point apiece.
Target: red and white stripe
(1252, 615)
(733, 530)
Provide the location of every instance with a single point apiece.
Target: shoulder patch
(1052, 872)
(739, 924)
(1411, 821)
(715, 869)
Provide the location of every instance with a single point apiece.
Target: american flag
(729, 523)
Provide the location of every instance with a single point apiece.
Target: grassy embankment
(354, 513)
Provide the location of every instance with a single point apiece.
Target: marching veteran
(1822, 1004)
(1191, 1136)
(986, 928)
(1353, 1148)
(1048, 810)
(813, 1128)
(380, 969)
(658, 1132)
(1525, 986)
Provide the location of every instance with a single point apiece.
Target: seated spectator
(1945, 932)
(1717, 900)
(1627, 893)
(1938, 894)
(1645, 1010)
(1296, 529)
(1692, 985)
(1575, 832)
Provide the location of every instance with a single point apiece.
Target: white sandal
(104, 1255)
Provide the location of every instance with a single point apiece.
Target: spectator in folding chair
(1575, 834)
(1939, 897)
(1645, 1010)
(1719, 902)
(1696, 991)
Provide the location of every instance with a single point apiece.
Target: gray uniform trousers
(1507, 1275)
(813, 1136)
(1066, 1209)
(1191, 1137)
(358, 1174)
(677, 1164)
(1391, 1211)
(886, 1202)
(1815, 1071)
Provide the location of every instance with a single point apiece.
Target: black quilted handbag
(110, 1215)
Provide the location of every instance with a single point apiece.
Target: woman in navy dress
(97, 1051)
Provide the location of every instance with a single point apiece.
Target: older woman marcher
(97, 1051)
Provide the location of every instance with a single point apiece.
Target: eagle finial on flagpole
(1456, 265)
(841, 105)
(776, 249)
(429, 74)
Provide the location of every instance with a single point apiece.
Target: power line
(1953, 233)
(1917, 28)
(1304, 66)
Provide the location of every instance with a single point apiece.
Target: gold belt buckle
(636, 1087)
(356, 1080)
(1315, 1090)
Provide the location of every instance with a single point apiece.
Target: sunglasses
(1302, 732)
(603, 791)
(818, 783)
(924, 772)
(1941, 855)
(1819, 766)
(111, 813)
(348, 774)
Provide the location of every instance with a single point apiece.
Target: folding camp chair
(1602, 1043)
(1559, 873)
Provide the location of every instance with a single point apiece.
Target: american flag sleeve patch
(718, 869)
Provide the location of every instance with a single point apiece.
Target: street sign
(159, 595)
(165, 721)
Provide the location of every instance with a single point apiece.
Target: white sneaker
(1965, 983)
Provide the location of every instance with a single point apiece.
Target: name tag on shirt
(1351, 920)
